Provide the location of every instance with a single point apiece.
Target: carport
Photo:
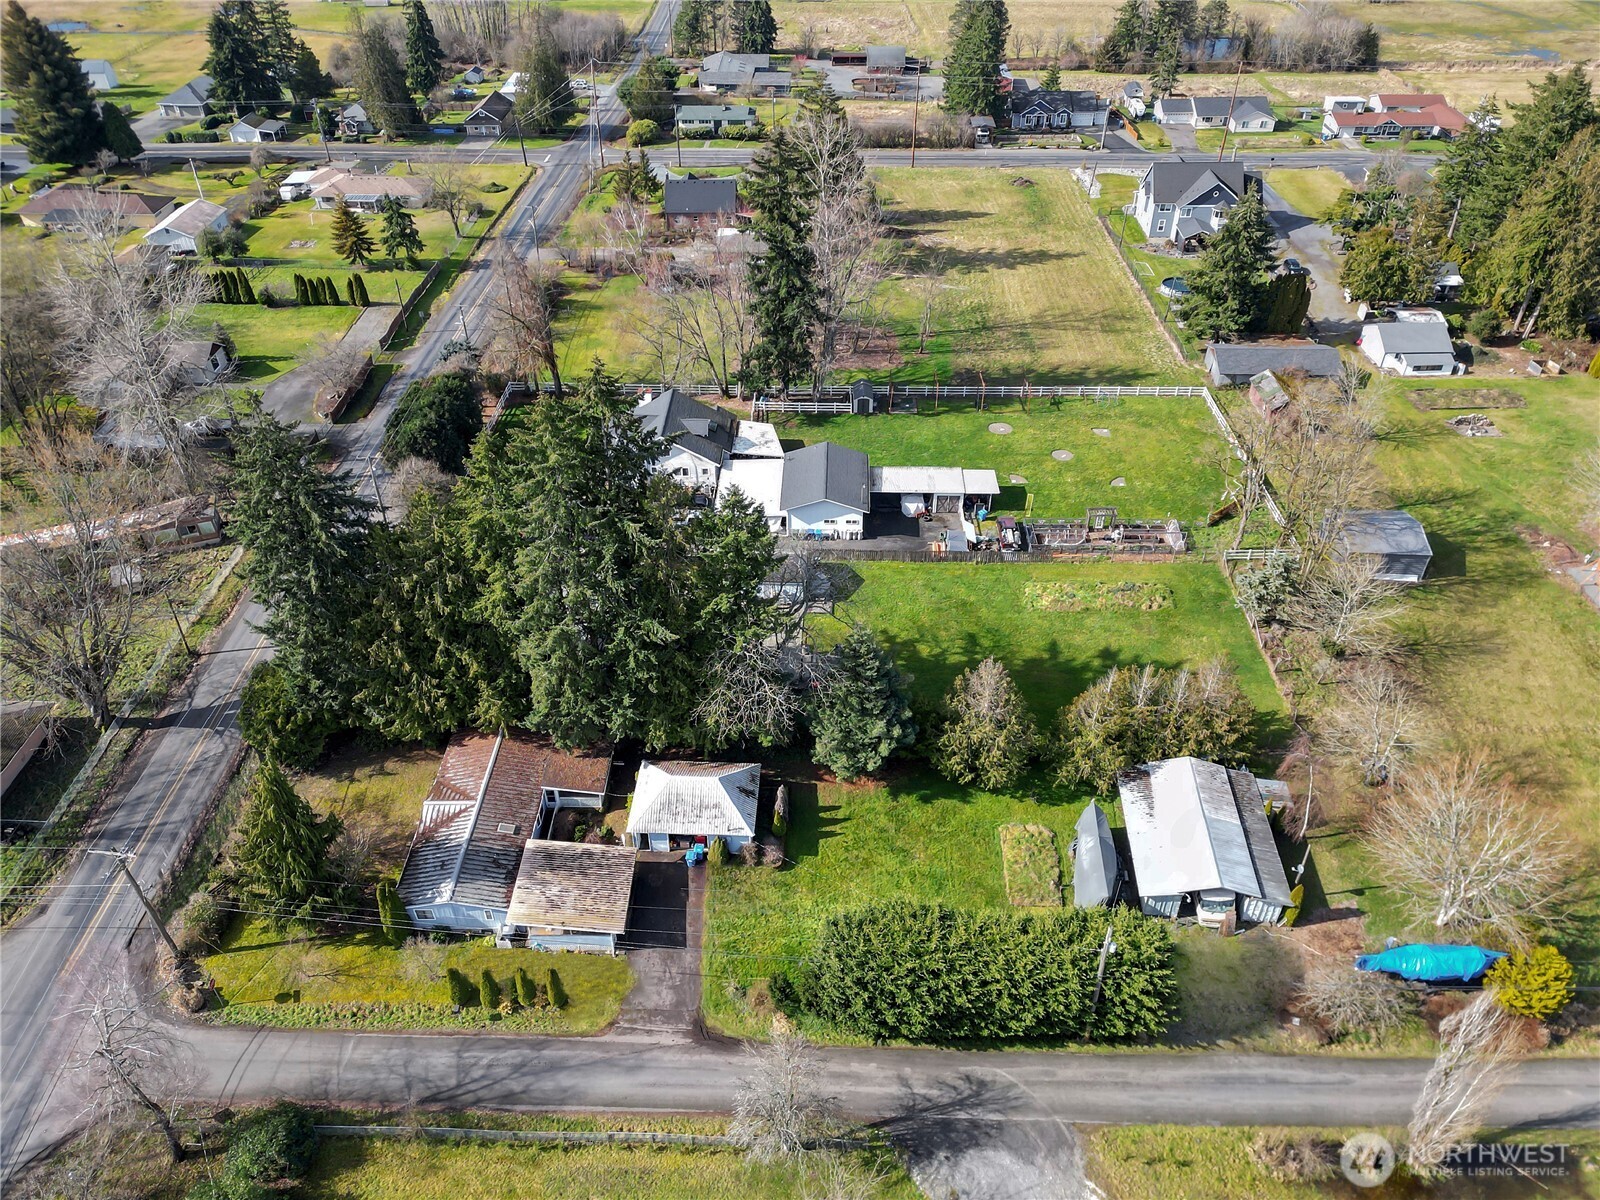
(932, 489)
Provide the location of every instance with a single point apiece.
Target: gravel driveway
(1317, 248)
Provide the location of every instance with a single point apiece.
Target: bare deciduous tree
(422, 960)
(1351, 1001)
(261, 157)
(754, 695)
(124, 317)
(780, 1109)
(68, 608)
(131, 1062)
(523, 300)
(30, 363)
(1469, 855)
(1376, 723)
(333, 362)
(1346, 606)
(1478, 1048)
(625, 233)
(452, 191)
(412, 478)
(699, 315)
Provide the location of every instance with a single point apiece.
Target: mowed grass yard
(1507, 656)
(1312, 192)
(372, 1169)
(913, 834)
(1163, 447)
(1033, 289)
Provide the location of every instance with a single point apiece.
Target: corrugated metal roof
(574, 886)
(1094, 872)
(1272, 883)
(696, 799)
(1382, 531)
(1185, 832)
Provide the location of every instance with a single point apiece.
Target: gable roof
(692, 799)
(1055, 101)
(350, 184)
(727, 69)
(1382, 531)
(1181, 182)
(1440, 115)
(97, 66)
(704, 114)
(699, 197)
(826, 471)
(573, 885)
(1410, 337)
(1222, 106)
(681, 419)
(196, 91)
(1194, 825)
(1251, 358)
(61, 201)
(483, 806)
(192, 219)
(256, 121)
(496, 107)
(196, 353)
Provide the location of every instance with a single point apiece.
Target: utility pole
(916, 105)
(1234, 99)
(594, 115)
(520, 144)
(187, 649)
(195, 171)
(122, 861)
(1106, 947)
(677, 130)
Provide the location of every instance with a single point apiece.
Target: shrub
(556, 992)
(205, 922)
(1264, 590)
(494, 185)
(1535, 983)
(527, 992)
(460, 989)
(780, 811)
(1346, 1000)
(716, 852)
(277, 722)
(1293, 1155)
(1486, 324)
(271, 1147)
(392, 912)
(988, 735)
(750, 853)
(863, 714)
(489, 993)
(436, 419)
(643, 133)
(931, 973)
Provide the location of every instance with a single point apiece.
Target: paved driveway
(1182, 139)
(663, 945)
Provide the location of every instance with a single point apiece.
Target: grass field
(368, 1169)
(1033, 289)
(1162, 446)
(1032, 863)
(1309, 192)
(271, 341)
(1149, 269)
(379, 790)
(913, 834)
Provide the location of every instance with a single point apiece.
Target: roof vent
(506, 827)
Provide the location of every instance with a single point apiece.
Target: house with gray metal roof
(826, 491)
(1198, 835)
(1417, 346)
(1236, 363)
(1243, 114)
(678, 803)
(1186, 203)
(715, 117)
(492, 795)
(1391, 539)
(700, 436)
(188, 101)
(726, 71)
(102, 76)
(180, 230)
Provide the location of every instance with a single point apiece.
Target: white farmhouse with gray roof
(826, 491)
(1186, 203)
(1198, 834)
(1418, 346)
(678, 803)
(180, 231)
(1246, 114)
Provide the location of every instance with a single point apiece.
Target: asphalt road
(82, 930)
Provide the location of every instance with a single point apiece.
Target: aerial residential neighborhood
(829, 600)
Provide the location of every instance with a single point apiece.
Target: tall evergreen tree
(694, 30)
(546, 99)
(424, 58)
(241, 71)
(648, 93)
(57, 117)
(435, 419)
(280, 46)
(1165, 77)
(988, 735)
(863, 714)
(972, 68)
(1383, 269)
(307, 81)
(1227, 284)
(1469, 200)
(399, 233)
(782, 280)
(1124, 46)
(308, 533)
(121, 140)
(352, 240)
(381, 80)
(754, 29)
(1560, 108)
(281, 861)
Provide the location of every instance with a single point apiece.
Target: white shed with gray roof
(1198, 831)
(1410, 347)
(694, 801)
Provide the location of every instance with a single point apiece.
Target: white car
(579, 85)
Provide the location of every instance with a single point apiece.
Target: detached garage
(932, 489)
(677, 804)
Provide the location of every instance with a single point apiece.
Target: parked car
(1292, 266)
(579, 85)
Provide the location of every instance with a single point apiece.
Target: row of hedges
(520, 991)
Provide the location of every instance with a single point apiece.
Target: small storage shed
(1095, 869)
(1392, 538)
(679, 803)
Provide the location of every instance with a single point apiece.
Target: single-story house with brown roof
(571, 895)
(494, 796)
(59, 207)
(366, 193)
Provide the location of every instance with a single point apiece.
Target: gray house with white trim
(1237, 363)
(1186, 203)
(1246, 114)
(188, 101)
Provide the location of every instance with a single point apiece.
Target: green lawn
(369, 1169)
(913, 834)
(1162, 446)
(1149, 269)
(599, 319)
(1282, 140)
(1032, 288)
(359, 981)
(1309, 192)
(378, 790)
(271, 341)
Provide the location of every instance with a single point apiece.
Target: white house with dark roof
(1198, 835)
(256, 128)
(493, 795)
(188, 101)
(827, 492)
(1186, 203)
(1243, 114)
(1061, 111)
(679, 803)
(700, 436)
(1419, 346)
(490, 118)
(180, 230)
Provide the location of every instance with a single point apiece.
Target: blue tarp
(1431, 964)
